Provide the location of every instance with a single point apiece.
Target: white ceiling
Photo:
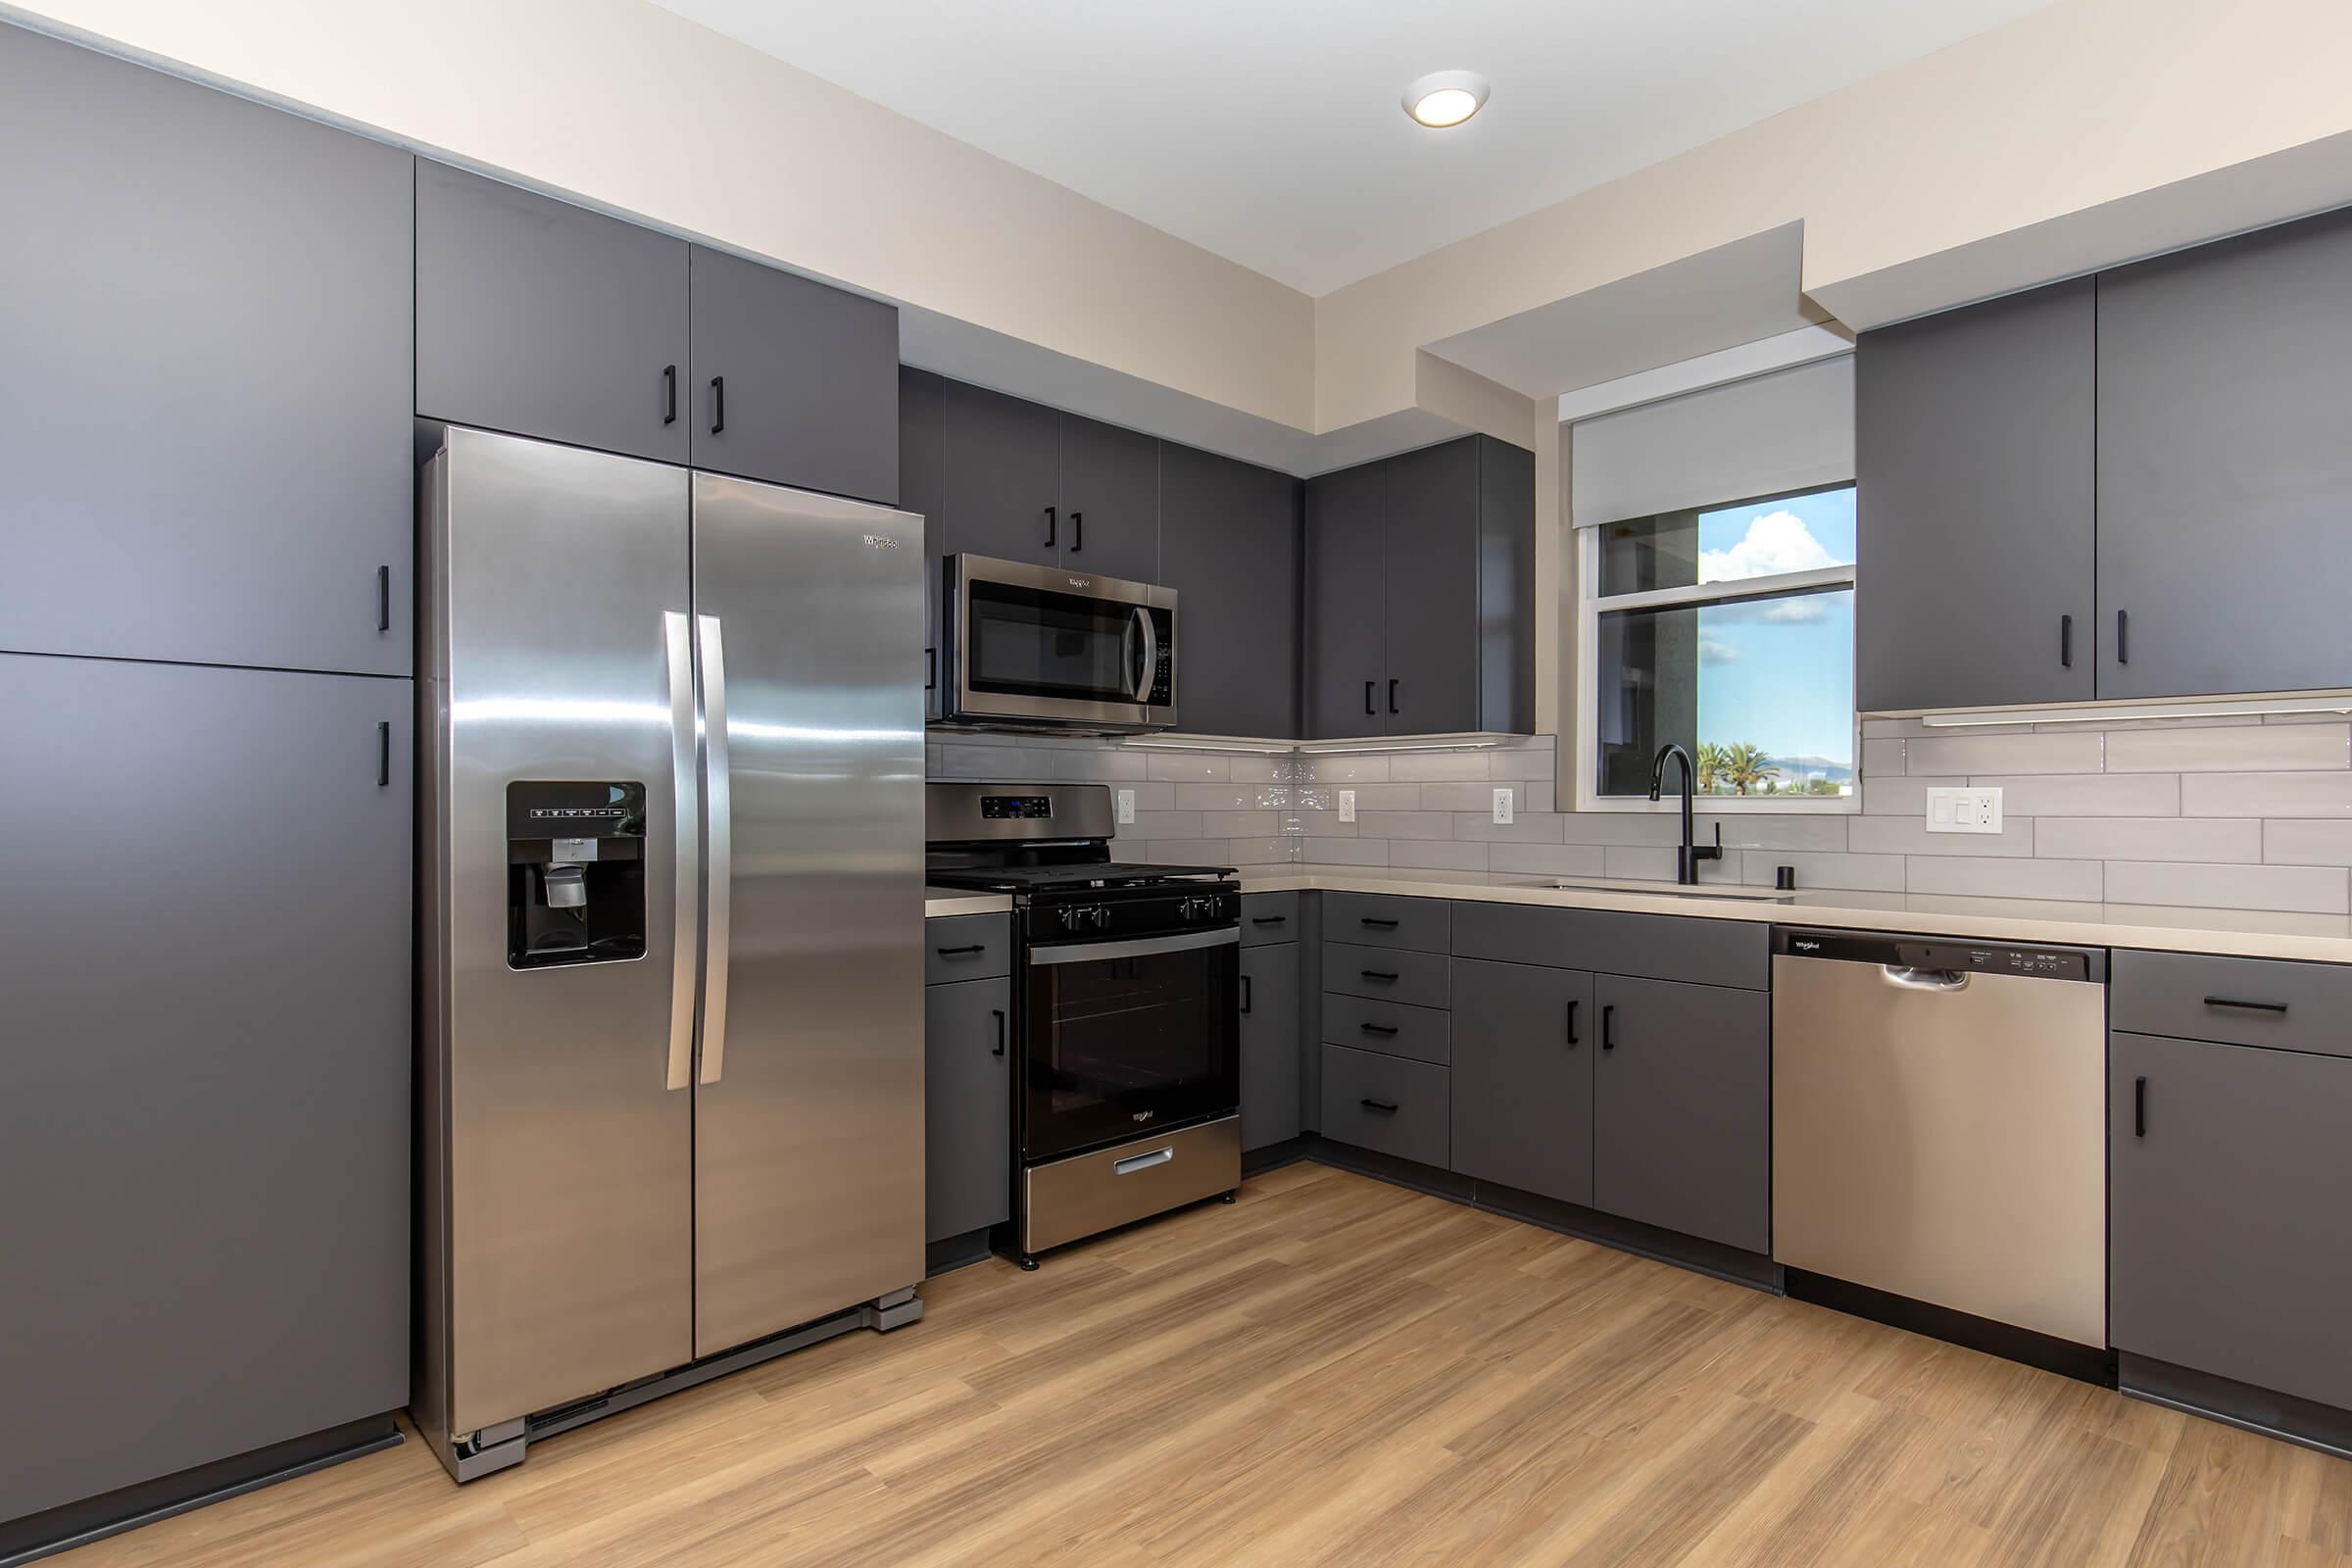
(1269, 130)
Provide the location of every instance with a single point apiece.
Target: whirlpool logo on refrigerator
(881, 541)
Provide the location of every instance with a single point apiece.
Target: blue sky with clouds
(1779, 672)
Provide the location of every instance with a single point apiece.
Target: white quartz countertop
(2257, 934)
(950, 901)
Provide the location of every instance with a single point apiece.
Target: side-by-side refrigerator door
(808, 1131)
(562, 787)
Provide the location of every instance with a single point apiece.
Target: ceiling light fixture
(1446, 98)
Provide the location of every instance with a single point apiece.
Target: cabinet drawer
(1389, 1028)
(2241, 1001)
(1423, 925)
(1650, 947)
(1386, 1104)
(1417, 979)
(967, 947)
(1268, 917)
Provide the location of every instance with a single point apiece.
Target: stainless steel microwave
(1047, 648)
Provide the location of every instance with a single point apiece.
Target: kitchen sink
(1669, 890)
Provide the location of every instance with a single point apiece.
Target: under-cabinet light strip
(2115, 714)
(1461, 743)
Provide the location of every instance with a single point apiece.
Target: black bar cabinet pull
(2123, 636)
(1245, 995)
(1391, 694)
(2066, 641)
(1608, 1027)
(670, 394)
(930, 668)
(1268, 919)
(1378, 1028)
(1368, 708)
(2250, 1007)
(958, 953)
(1050, 527)
(383, 754)
(1387, 1107)
(383, 599)
(1378, 974)
(1377, 923)
(1573, 1038)
(718, 404)
(2140, 1108)
(1077, 532)
(998, 1013)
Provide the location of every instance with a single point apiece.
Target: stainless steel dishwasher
(1939, 1127)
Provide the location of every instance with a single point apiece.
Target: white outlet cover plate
(1346, 805)
(1504, 805)
(1964, 810)
(1126, 800)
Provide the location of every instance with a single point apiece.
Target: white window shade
(1791, 429)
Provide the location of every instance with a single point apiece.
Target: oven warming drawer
(1088, 1194)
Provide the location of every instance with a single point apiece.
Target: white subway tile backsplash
(1346, 851)
(1103, 767)
(1163, 825)
(1184, 852)
(1547, 860)
(1877, 873)
(2312, 889)
(1018, 763)
(1755, 830)
(1345, 770)
(2324, 795)
(1325, 825)
(2238, 748)
(1537, 827)
(1437, 856)
(1974, 753)
(1262, 852)
(1376, 797)
(1219, 797)
(1265, 769)
(1890, 795)
(2004, 878)
(1478, 796)
(1188, 767)
(1425, 768)
(1404, 825)
(1645, 862)
(2289, 841)
(2147, 838)
(1903, 835)
(1538, 761)
(1620, 827)
(2085, 794)
(1240, 824)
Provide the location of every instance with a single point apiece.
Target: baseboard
(2284, 1416)
(78, 1523)
(2082, 1362)
(1273, 1156)
(951, 1252)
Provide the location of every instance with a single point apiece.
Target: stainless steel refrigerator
(672, 1062)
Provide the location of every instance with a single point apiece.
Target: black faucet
(1689, 852)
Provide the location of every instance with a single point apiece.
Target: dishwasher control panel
(1943, 954)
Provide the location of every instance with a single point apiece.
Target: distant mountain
(1802, 767)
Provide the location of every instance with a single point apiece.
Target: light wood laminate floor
(1333, 1371)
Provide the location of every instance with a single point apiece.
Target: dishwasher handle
(1931, 980)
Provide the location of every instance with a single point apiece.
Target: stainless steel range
(1126, 1003)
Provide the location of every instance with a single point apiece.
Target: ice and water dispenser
(575, 873)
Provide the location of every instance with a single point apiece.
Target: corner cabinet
(1420, 593)
(1229, 546)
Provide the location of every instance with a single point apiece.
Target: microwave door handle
(718, 810)
(1150, 631)
(686, 815)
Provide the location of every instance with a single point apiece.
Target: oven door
(1122, 1038)
(1041, 645)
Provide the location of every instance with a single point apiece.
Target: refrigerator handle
(717, 807)
(686, 814)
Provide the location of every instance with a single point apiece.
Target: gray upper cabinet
(204, 390)
(1681, 1122)
(1973, 435)
(1229, 546)
(967, 1106)
(1002, 477)
(1522, 1077)
(1110, 501)
(794, 382)
(2230, 1245)
(547, 319)
(1270, 1046)
(2224, 466)
(922, 490)
(1420, 593)
(207, 1118)
(1346, 601)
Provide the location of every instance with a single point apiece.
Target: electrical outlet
(1504, 804)
(1126, 800)
(1346, 805)
(1976, 810)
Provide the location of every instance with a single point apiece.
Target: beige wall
(625, 105)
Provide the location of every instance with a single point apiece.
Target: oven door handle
(1140, 948)
(1149, 629)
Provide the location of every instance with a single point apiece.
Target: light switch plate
(1346, 805)
(1971, 810)
(1126, 799)
(1504, 801)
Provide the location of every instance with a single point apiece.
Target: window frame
(1591, 605)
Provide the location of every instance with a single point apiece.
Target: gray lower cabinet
(1682, 1108)
(2231, 1242)
(794, 382)
(1975, 436)
(1270, 1108)
(2224, 466)
(967, 1106)
(205, 947)
(1001, 477)
(1229, 546)
(1522, 1049)
(1386, 1104)
(547, 319)
(204, 391)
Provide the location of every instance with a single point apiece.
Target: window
(1729, 631)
